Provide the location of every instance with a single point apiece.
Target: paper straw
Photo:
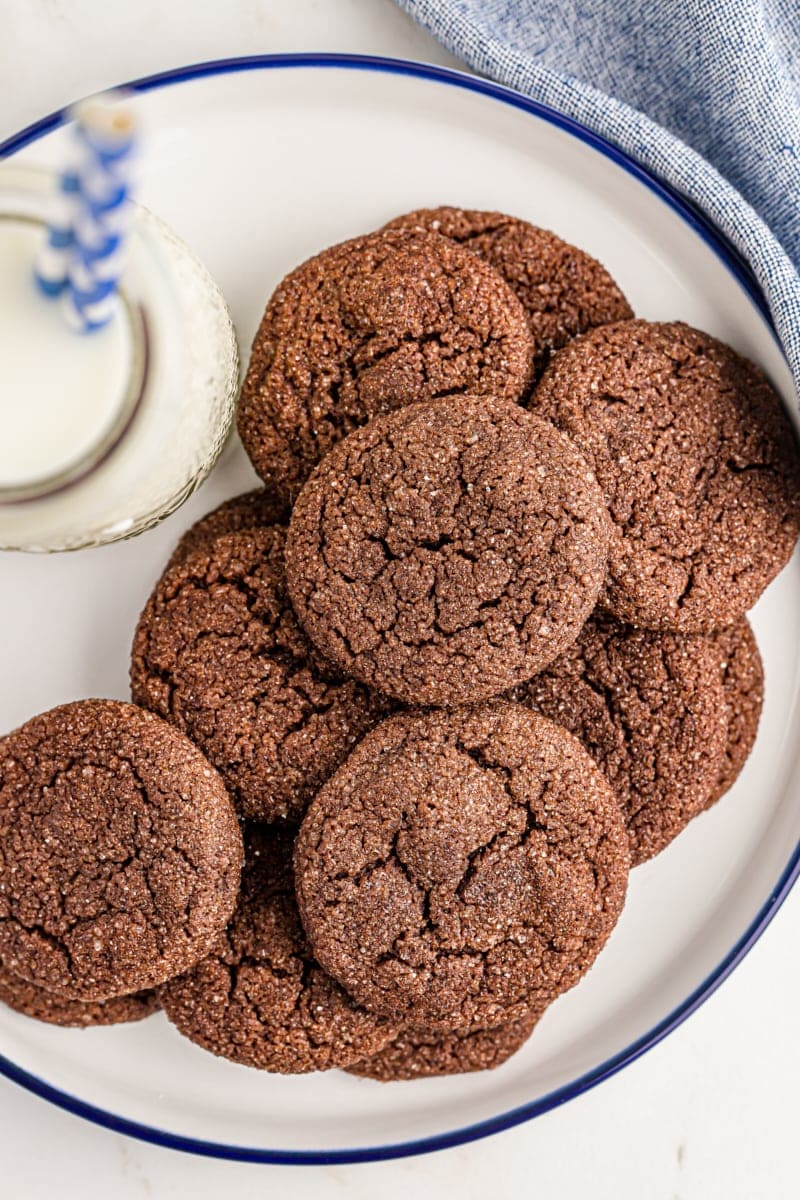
(84, 253)
(52, 264)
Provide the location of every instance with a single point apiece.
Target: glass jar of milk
(104, 434)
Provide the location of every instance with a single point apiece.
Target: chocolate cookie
(33, 1001)
(448, 550)
(416, 1054)
(650, 709)
(219, 653)
(120, 852)
(369, 326)
(252, 510)
(743, 685)
(698, 463)
(563, 289)
(260, 998)
(463, 867)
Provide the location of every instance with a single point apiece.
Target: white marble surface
(711, 1113)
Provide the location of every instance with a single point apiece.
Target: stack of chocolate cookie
(477, 647)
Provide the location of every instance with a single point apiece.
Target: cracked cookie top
(417, 1054)
(251, 510)
(366, 327)
(650, 709)
(120, 852)
(36, 1002)
(448, 550)
(463, 867)
(698, 463)
(260, 998)
(563, 290)
(219, 653)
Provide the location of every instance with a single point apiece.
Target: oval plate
(258, 163)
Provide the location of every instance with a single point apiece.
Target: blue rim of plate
(524, 1112)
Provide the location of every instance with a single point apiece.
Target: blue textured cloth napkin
(704, 93)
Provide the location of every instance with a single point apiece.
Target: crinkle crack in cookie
(448, 550)
(367, 327)
(698, 464)
(417, 1054)
(650, 709)
(219, 653)
(563, 289)
(251, 510)
(463, 867)
(120, 852)
(33, 1001)
(259, 998)
(743, 687)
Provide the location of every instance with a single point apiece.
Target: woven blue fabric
(704, 93)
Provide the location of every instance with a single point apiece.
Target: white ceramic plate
(258, 164)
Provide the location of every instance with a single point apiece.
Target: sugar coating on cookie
(743, 687)
(420, 1054)
(259, 998)
(650, 709)
(33, 1001)
(448, 550)
(120, 852)
(366, 327)
(563, 290)
(251, 510)
(219, 653)
(463, 867)
(698, 464)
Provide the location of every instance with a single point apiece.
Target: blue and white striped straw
(83, 256)
(52, 263)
